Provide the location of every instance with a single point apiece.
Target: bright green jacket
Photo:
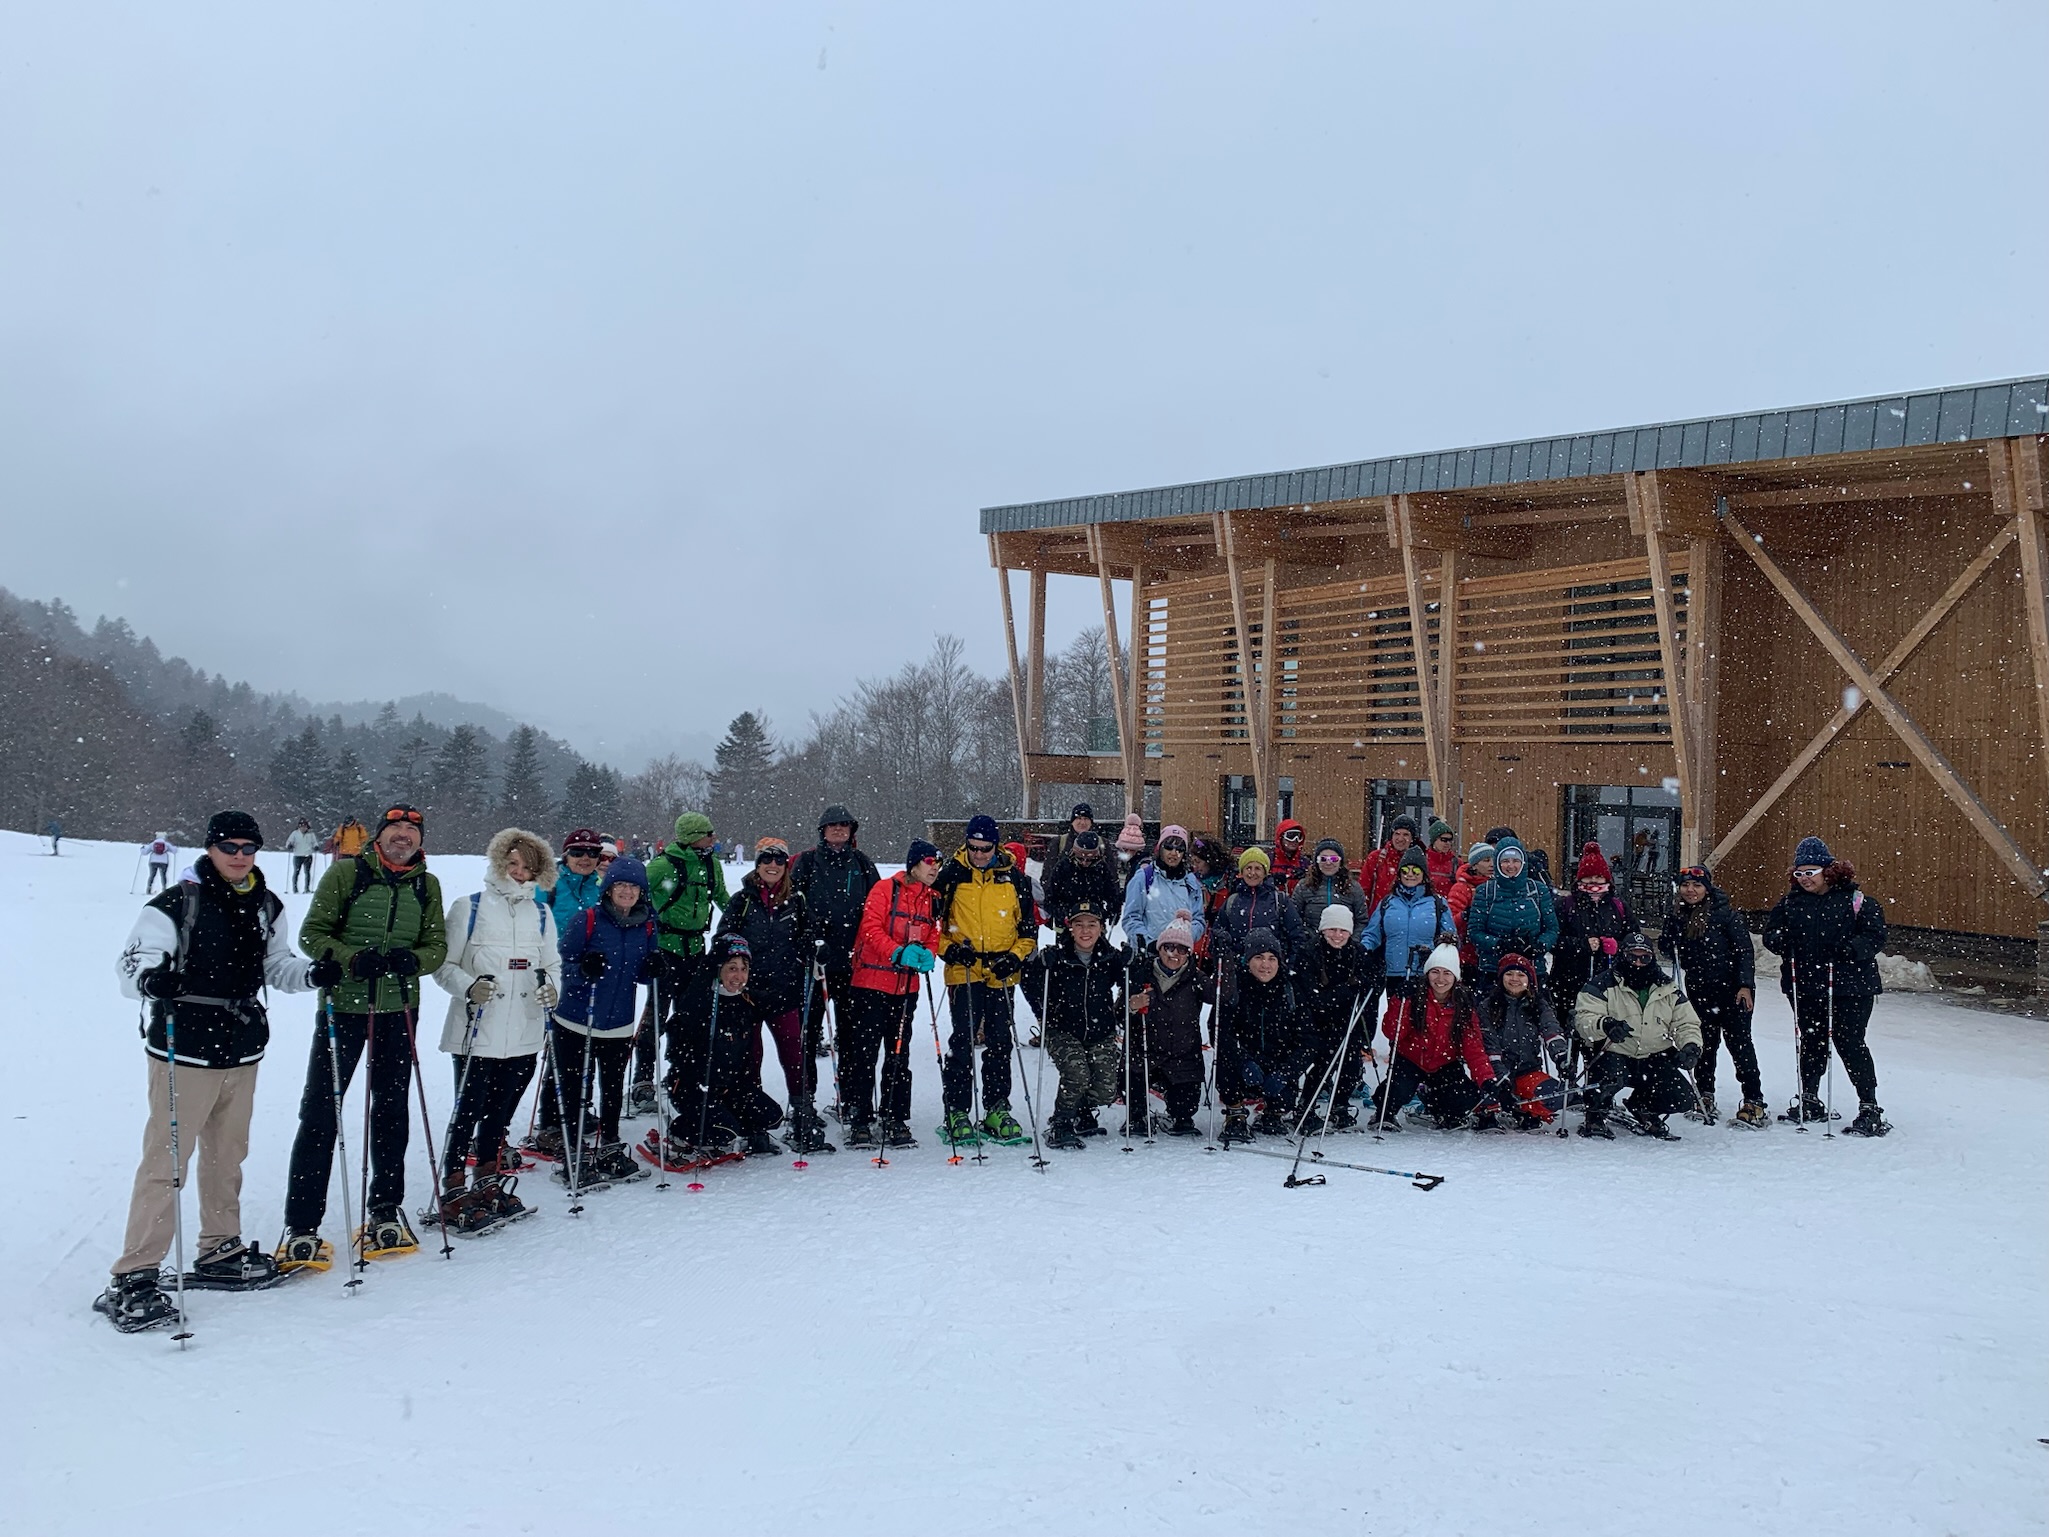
(685, 888)
(360, 905)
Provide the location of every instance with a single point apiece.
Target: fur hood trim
(532, 845)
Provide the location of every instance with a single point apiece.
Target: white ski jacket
(301, 842)
(512, 941)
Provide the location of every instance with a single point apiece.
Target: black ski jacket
(1514, 1029)
(835, 884)
(1172, 1028)
(1069, 882)
(1263, 1021)
(1579, 920)
(1711, 943)
(1084, 999)
(1840, 927)
(1329, 979)
(779, 938)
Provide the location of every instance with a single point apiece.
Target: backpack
(363, 879)
(477, 896)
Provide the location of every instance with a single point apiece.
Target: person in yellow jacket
(989, 927)
(1643, 1035)
(350, 839)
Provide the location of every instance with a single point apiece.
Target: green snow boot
(958, 1129)
(1001, 1126)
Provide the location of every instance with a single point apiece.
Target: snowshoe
(387, 1235)
(681, 1158)
(135, 1302)
(1805, 1110)
(1707, 1112)
(1237, 1126)
(957, 1129)
(1870, 1122)
(304, 1251)
(1344, 1118)
(1183, 1126)
(1000, 1126)
(1596, 1125)
(614, 1161)
(1644, 1124)
(862, 1135)
(1086, 1125)
(495, 1204)
(1752, 1113)
(1138, 1125)
(1269, 1124)
(1311, 1124)
(1449, 1122)
(544, 1146)
(896, 1133)
(761, 1145)
(807, 1131)
(1487, 1120)
(641, 1101)
(587, 1181)
(1063, 1134)
(234, 1266)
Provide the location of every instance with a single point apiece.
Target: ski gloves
(1003, 965)
(1689, 1057)
(1616, 1030)
(160, 982)
(369, 965)
(592, 964)
(914, 958)
(959, 953)
(325, 972)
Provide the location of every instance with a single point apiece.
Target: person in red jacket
(1382, 869)
(1473, 874)
(1291, 856)
(1444, 860)
(893, 953)
(1437, 1047)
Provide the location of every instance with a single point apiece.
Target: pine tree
(455, 803)
(592, 797)
(743, 791)
(349, 791)
(299, 773)
(523, 798)
(408, 780)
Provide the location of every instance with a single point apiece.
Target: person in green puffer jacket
(686, 887)
(379, 915)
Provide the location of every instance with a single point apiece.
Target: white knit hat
(1336, 916)
(1445, 956)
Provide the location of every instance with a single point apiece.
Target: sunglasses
(1593, 885)
(1173, 843)
(403, 814)
(1177, 949)
(580, 852)
(772, 857)
(981, 848)
(235, 849)
(1808, 872)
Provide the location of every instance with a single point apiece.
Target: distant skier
(54, 831)
(201, 955)
(349, 839)
(301, 844)
(159, 851)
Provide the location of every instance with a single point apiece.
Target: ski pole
(462, 1089)
(1127, 1063)
(132, 879)
(1145, 1072)
(341, 1139)
(427, 1124)
(711, 1046)
(808, 1069)
(1309, 1105)
(975, 1111)
(1799, 1052)
(1045, 1026)
(583, 1100)
(555, 1067)
(939, 1056)
(1420, 1180)
(1828, 1043)
(177, 1165)
(362, 1236)
(654, 989)
(1394, 1054)
(1024, 1082)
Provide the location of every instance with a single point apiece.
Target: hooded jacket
(1264, 1022)
(1709, 939)
(1505, 909)
(990, 909)
(1288, 865)
(835, 883)
(1154, 898)
(1662, 1020)
(610, 1006)
(777, 928)
(1380, 871)
(502, 933)
(1433, 1033)
(1516, 1030)
(1316, 891)
(1841, 927)
(686, 886)
(898, 913)
(1405, 928)
(233, 946)
(362, 903)
(1075, 997)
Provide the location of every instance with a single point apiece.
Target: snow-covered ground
(1740, 1332)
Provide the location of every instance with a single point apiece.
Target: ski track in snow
(1766, 1332)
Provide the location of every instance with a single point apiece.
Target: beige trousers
(213, 1113)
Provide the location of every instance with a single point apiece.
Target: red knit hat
(1593, 864)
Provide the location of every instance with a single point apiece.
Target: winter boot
(233, 1266)
(1870, 1122)
(958, 1129)
(135, 1301)
(861, 1134)
(1753, 1113)
(1183, 1126)
(545, 1144)
(807, 1129)
(1137, 1123)
(614, 1161)
(1596, 1125)
(1086, 1125)
(1270, 1122)
(1311, 1123)
(1001, 1125)
(1344, 1118)
(494, 1200)
(1707, 1112)
(1237, 1125)
(1645, 1124)
(387, 1235)
(641, 1101)
(1487, 1120)
(761, 1145)
(304, 1251)
(1805, 1108)
(896, 1133)
(1061, 1133)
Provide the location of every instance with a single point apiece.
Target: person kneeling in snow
(1646, 1038)
(1262, 1042)
(1436, 1042)
(1076, 990)
(1521, 1030)
(200, 953)
(714, 1074)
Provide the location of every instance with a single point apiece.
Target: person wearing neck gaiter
(1645, 1037)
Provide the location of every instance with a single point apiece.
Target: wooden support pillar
(1035, 676)
(1132, 733)
(1269, 786)
(1255, 708)
(1451, 800)
(1990, 828)
(1017, 690)
(1703, 677)
(1641, 491)
(2017, 493)
(1099, 550)
(1442, 790)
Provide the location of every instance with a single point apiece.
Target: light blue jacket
(1410, 919)
(1152, 899)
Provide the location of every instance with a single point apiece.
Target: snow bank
(1745, 1331)
(1900, 975)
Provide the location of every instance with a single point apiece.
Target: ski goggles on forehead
(402, 814)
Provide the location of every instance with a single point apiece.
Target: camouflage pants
(1088, 1073)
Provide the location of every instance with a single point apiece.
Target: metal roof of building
(2009, 408)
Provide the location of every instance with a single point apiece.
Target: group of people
(1470, 988)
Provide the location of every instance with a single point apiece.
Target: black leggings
(391, 1066)
(1448, 1091)
(488, 1100)
(1852, 1018)
(1721, 1021)
(610, 1055)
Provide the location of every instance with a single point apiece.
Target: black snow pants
(488, 1099)
(391, 1066)
(1851, 1019)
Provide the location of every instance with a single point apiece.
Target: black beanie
(1415, 856)
(238, 826)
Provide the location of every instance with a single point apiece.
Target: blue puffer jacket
(1503, 909)
(1154, 897)
(1405, 927)
(611, 1005)
(572, 894)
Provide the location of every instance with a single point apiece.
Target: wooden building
(1696, 640)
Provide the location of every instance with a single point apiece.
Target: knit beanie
(1478, 852)
(1336, 916)
(1414, 857)
(1521, 963)
(1174, 830)
(1178, 932)
(1404, 823)
(1132, 839)
(919, 852)
(238, 826)
(1812, 851)
(770, 846)
(1593, 864)
(1439, 828)
(1443, 958)
(1264, 942)
(1254, 856)
(983, 829)
(691, 826)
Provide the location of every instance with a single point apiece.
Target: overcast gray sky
(595, 361)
